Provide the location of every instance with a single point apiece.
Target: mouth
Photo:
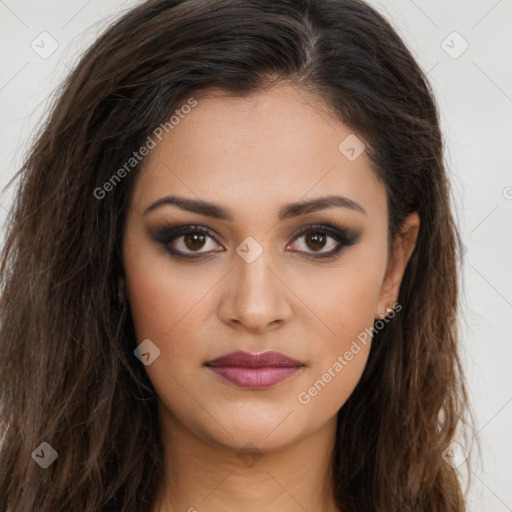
(255, 371)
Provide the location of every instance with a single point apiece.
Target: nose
(255, 296)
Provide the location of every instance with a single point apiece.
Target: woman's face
(255, 278)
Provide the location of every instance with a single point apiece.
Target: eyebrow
(287, 211)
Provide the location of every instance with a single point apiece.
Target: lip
(255, 371)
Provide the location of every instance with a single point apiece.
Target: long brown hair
(68, 375)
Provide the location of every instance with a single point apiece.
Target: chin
(265, 433)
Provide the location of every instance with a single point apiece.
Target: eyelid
(342, 234)
(169, 232)
(332, 229)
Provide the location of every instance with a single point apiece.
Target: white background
(474, 92)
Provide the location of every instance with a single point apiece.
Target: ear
(402, 250)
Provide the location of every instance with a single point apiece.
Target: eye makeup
(171, 235)
(342, 235)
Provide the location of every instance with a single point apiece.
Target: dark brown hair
(68, 375)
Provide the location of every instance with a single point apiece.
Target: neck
(207, 476)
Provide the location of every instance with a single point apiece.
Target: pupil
(191, 241)
(317, 239)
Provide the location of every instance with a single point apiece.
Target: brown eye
(315, 241)
(194, 241)
(187, 241)
(323, 241)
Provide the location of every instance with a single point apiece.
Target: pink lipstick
(255, 371)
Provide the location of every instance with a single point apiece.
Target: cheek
(340, 357)
(341, 303)
(345, 304)
(162, 299)
(326, 393)
(165, 308)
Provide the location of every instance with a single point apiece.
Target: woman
(229, 280)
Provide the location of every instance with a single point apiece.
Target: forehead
(262, 150)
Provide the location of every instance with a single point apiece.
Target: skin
(253, 155)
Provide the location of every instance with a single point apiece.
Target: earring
(389, 310)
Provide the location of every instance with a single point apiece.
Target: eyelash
(344, 236)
